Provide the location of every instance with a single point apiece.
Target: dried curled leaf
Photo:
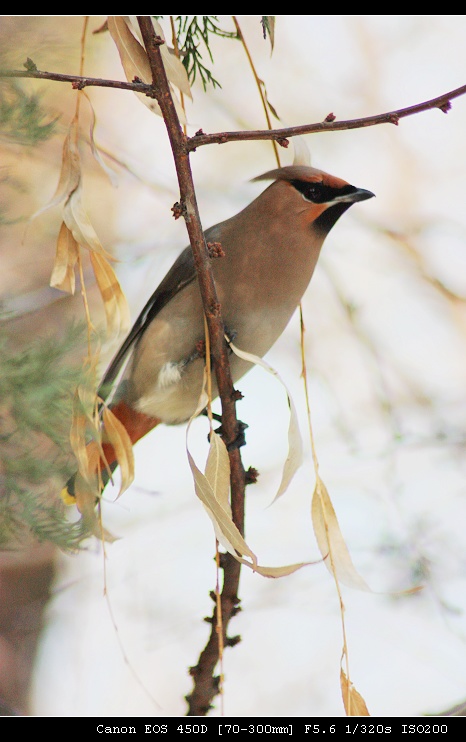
(226, 531)
(91, 421)
(217, 471)
(136, 63)
(275, 572)
(63, 276)
(353, 701)
(213, 491)
(86, 504)
(79, 224)
(79, 426)
(70, 174)
(87, 487)
(115, 304)
(330, 540)
(85, 423)
(117, 436)
(295, 443)
(174, 67)
(77, 231)
(94, 148)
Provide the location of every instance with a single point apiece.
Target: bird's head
(329, 195)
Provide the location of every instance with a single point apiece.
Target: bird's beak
(359, 194)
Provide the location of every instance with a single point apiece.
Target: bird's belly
(177, 392)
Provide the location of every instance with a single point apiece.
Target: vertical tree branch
(205, 684)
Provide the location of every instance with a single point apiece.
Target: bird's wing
(181, 274)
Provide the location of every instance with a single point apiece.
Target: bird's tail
(137, 425)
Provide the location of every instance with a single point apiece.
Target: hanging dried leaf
(78, 222)
(94, 149)
(63, 277)
(70, 174)
(136, 63)
(115, 304)
(226, 531)
(353, 701)
(85, 423)
(77, 230)
(87, 393)
(275, 572)
(78, 433)
(295, 443)
(132, 54)
(217, 471)
(174, 67)
(86, 504)
(118, 437)
(213, 490)
(330, 540)
(82, 231)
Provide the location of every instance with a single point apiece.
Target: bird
(269, 252)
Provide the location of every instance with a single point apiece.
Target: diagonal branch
(205, 684)
(442, 102)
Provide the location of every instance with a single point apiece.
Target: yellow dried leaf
(78, 222)
(213, 491)
(226, 531)
(85, 422)
(87, 391)
(174, 67)
(88, 455)
(275, 572)
(135, 61)
(117, 435)
(353, 701)
(115, 304)
(132, 54)
(94, 149)
(65, 260)
(78, 436)
(295, 443)
(330, 540)
(85, 502)
(83, 233)
(217, 471)
(76, 230)
(70, 175)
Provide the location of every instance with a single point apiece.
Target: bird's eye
(311, 191)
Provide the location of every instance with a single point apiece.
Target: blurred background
(385, 346)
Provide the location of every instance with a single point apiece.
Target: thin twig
(443, 102)
(79, 81)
